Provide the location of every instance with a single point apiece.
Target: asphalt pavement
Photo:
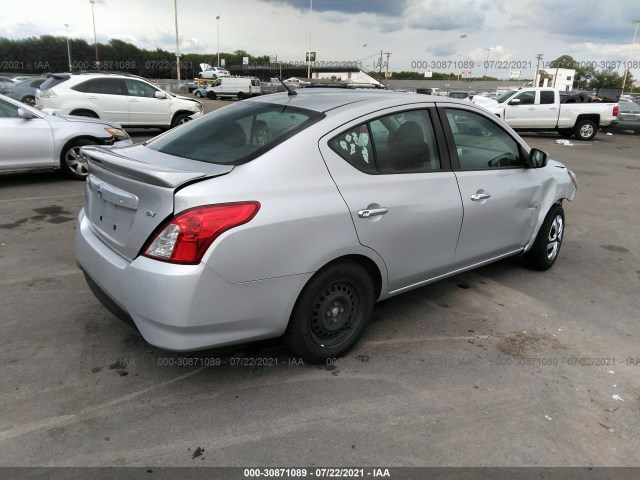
(501, 366)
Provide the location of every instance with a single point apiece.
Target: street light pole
(486, 63)
(218, 30)
(95, 38)
(309, 50)
(66, 30)
(626, 71)
(175, 11)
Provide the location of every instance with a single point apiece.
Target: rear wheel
(585, 130)
(241, 96)
(29, 100)
(211, 95)
(331, 312)
(547, 245)
(73, 165)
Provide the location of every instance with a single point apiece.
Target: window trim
(451, 144)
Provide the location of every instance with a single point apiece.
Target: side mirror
(537, 158)
(25, 114)
(160, 94)
(515, 101)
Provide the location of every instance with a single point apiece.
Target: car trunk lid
(130, 192)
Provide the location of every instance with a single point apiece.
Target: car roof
(324, 100)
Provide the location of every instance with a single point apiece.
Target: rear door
(547, 110)
(500, 196)
(394, 176)
(108, 98)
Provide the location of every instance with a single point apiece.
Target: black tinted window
(236, 134)
(107, 86)
(546, 97)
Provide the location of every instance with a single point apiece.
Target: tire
(179, 119)
(71, 164)
(84, 113)
(547, 245)
(199, 75)
(29, 100)
(585, 130)
(565, 132)
(241, 96)
(331, 312)
(212, 95)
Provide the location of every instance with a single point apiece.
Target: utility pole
(309, 50)
(535, 77)
(66, 28)
(626, 71)
(95, 38)
(386, 75)
(175, 11)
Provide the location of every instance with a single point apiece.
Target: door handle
(92, 97)
(372, 212)
(133, 99)
(532, 108)
(480, 196)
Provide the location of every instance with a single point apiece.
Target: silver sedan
(293, 214)
(33, 140)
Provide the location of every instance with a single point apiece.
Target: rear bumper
(184, 307)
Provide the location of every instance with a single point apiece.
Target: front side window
(481, 143)
(526, 98)
(136, 88)
(8, 109)
(232, 136)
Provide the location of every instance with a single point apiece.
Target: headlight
(117, 133)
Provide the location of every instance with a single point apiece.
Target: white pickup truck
(539, 109)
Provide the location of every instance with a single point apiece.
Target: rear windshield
(54, 80)
(235, 134)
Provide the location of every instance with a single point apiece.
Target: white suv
(127, 99)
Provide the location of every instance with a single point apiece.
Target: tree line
(47, 53)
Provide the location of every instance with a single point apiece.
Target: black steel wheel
(331, 313)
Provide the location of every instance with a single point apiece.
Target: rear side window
(237, 134)
(402, 142)
(546, 97)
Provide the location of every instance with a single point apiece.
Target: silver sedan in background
(33, 140)
(294, 214)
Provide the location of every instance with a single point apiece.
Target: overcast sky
(351, 30)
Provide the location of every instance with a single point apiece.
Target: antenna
(290, 92)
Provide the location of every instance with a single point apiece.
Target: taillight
(616, 109)
(187, 236)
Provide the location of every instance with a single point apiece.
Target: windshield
(505, 96)
(235, 134)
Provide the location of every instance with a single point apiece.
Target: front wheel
(73, 165)
(29, 100)
(179, 119)
(331, 312)
(241, 96)
(585, 130)
(547, 245)
(211, 95)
